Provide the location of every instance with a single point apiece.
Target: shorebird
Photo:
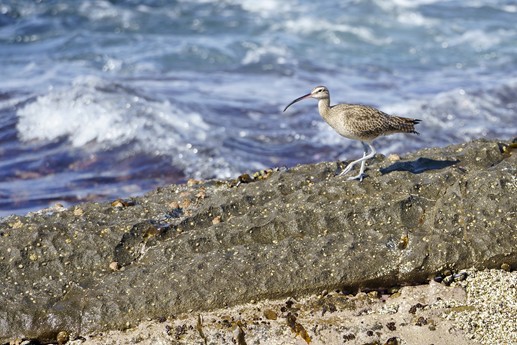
(358, 122)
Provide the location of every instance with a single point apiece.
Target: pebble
(192, 182)
(270, 314)
(393, 157)
(62, 338)
(505, 267)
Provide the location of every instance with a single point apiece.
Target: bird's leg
(353, 163)
(361, 174)
(361, 170)
(362, 160)
(348, 168)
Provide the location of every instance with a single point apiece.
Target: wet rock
(293, 232)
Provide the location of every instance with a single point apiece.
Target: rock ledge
(206, 245)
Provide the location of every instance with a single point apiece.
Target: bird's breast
(342, 126)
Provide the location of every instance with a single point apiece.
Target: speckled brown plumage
(367, 123)
(358, 122)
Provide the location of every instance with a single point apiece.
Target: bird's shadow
(418, 166)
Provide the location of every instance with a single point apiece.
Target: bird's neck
(324, 107)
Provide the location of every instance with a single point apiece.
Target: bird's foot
(359, 177)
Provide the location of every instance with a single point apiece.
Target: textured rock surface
(207, 245)
(423, 314)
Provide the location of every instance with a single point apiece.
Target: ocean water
(107, 99)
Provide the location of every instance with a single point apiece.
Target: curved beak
(297, 100)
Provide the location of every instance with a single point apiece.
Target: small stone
(448, 280)
(403, 242)
(185, 203)
(270, 314)
(78, 212)
(201, 194)
(391, 326)
(57, 207)
(438, 279)
(394, 290)
(393, 157)
(16, 225)
(421, 321)
(117, 203)
(460, 276)
(373, 294)
(348, 337)
(192, 182)
(505, 267)
(392, 341)
(216, 220)
(62, 337)
(245, 178)
(415, 307)
(361, 296)
(114, 266)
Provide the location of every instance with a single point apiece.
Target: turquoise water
(105, 99)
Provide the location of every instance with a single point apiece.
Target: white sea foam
(510, 8)
(308, 25)
(265, 8)
(98, 116)
(255, 53)
(478, 39)
(461, 115)
(99, 11)
(404, 3)
(415, 19)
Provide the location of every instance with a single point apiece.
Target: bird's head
(319, 92)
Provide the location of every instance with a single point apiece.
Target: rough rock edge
(434, 312)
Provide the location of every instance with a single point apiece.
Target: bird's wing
(365, 119)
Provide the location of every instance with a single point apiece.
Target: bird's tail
(404, 124)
